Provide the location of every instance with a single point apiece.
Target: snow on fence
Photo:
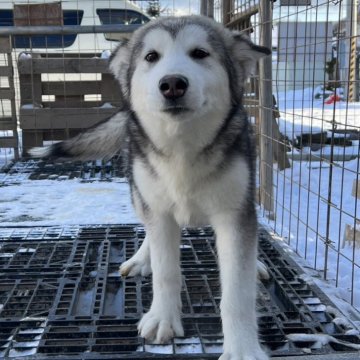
(304, 101)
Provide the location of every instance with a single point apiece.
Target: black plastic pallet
(61, 295)
(62, 170)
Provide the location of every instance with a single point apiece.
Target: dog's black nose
(173, 86)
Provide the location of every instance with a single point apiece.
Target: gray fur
(99, 142)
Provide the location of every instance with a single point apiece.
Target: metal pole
(266, 110)
(66, 29)
(226, 9)
(207, 8)
(203, 7)
(350, 55)
(211, 8)
(357, 82)
(353, 45)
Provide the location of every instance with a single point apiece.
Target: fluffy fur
(190, 162)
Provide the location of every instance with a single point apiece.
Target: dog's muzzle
(173, 87)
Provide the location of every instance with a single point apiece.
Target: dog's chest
(173, 184)
(191, 186)
(181, 178)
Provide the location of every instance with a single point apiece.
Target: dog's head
(192, 65)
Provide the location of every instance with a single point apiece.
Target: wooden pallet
(55, 102)
(8, 119)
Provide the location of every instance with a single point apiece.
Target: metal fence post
(207, 8)
(351, 53)
(266, 110)
(226, 8)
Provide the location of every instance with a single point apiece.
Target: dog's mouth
(175, 110)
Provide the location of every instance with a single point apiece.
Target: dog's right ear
(119, 63)
(247, 53)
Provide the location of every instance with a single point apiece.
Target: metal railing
(67, 29)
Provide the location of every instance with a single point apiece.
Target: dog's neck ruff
(140, 132)
(184, 135)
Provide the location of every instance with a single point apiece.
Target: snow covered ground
(56, 202)
(302, 113)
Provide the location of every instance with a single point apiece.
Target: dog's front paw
(159, 328)
(262, 271)
(136, 266)
(257, 354)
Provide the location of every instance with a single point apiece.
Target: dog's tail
(99, 142)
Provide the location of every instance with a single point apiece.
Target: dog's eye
(199, 54)
(152, 56)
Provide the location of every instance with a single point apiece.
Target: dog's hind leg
(163, 322)
(138, 264)
(236, 245)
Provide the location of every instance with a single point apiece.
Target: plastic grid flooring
(61, 295)
(57, 170)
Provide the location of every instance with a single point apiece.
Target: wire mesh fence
(313, 198)
(307, 120)
(316, 86)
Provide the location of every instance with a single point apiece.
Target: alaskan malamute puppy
(190, 162)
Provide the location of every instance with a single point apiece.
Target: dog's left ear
(119, 63)
(119, 57)
(247, 53)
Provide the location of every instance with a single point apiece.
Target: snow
(30, 106)
(190, 345)
(320, 340)
(106, 54)
(25, 55)
(159, 349)
(301, 113)
(106, 106)
(53, 202)
(21, 352)
(189, 349)
(32, 331)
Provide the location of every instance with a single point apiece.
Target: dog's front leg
(236, 246)
(163, 322)
(139, 263)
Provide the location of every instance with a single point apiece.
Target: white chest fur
(191, 190)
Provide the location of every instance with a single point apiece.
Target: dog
(191, 161)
